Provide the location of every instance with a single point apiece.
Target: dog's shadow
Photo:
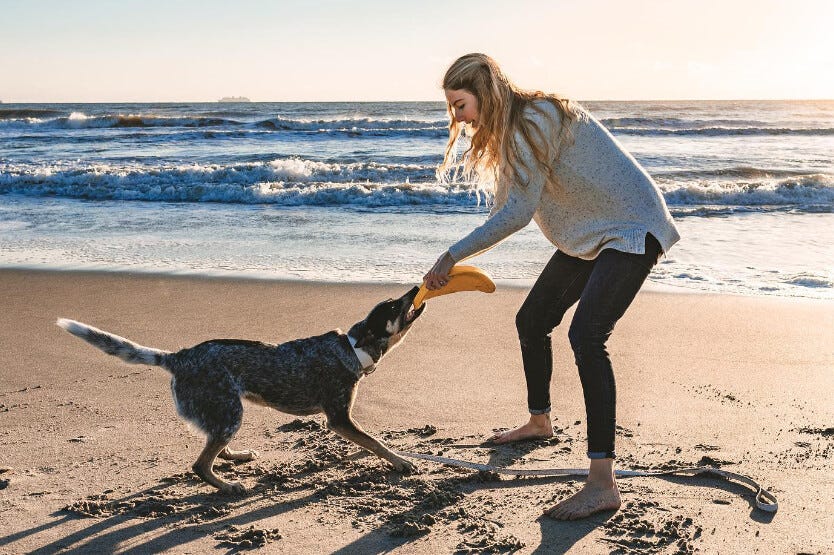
(161, 518)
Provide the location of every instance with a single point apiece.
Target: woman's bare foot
(585, 502)
(600, 493)
(537, 427)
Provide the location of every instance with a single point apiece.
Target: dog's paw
(232, 488)
(404, 466)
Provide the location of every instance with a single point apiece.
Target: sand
(94, 458)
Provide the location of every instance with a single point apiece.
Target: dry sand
(94, 458)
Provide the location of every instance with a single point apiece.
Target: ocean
(346, 192)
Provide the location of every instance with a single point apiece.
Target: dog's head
(386, 324)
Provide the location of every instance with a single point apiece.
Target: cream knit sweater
(597, 197)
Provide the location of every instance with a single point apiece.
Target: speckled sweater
(597, 197)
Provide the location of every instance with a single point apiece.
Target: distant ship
(234, 99)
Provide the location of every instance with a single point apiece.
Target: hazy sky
(150, 50)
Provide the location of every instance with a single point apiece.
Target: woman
(551, 161)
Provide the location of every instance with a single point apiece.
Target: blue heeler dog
(301, 377)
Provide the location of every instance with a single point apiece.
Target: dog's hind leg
(210, 400)
(203, 467)
(341, 423)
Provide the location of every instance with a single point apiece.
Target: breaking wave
(297, 180)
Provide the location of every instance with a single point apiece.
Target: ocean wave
(80, 120)
(677, 123)
(715, 211)
(288, 124)
(816, 192)
(719, 131)
(286, 194)
(740, 172)
(24, 113)
(38, 119)
(135, 179)
(142, 136)
(119, 180)
(810, 280)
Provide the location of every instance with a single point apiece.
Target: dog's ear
(361, 334)
(364, 339)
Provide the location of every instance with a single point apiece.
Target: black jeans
(604, 288)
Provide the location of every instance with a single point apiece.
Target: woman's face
(464, 105)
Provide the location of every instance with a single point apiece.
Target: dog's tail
(114, 345)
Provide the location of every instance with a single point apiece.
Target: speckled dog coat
(306, 376)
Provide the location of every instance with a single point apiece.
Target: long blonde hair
(493, 150)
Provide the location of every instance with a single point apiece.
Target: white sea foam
(289, 181)
(13, 225)
(815, 190)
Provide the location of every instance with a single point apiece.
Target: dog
(302, 377)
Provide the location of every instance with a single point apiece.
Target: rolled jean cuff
(601, 455)
(540, 411)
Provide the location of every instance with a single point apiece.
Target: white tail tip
(71, 325)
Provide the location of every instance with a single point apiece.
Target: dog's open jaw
(413, 314)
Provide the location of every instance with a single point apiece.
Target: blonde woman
(550, 161)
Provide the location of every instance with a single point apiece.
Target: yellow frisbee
(461, 278)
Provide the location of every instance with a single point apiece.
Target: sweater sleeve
(522, 199)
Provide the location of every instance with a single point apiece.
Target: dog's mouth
(410, 313)
(413, 314)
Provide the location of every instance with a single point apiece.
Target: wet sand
(94, 458)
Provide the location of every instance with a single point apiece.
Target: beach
(244, 180)
(95, 459)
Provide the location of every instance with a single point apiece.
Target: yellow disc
(461, 278)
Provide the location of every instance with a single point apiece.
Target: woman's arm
(516, 212)
(523, 196)
(514, 215)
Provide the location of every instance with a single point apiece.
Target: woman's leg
(611, 287)
(558, 287)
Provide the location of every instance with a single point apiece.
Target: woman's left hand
(438, 276)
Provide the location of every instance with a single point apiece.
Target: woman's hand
(438, 276)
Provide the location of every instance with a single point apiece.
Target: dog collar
(364, 358)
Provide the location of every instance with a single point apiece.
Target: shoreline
(95, 458)
(650, 287)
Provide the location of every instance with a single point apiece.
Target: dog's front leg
(344, 425)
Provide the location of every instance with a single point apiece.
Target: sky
(365, 50)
